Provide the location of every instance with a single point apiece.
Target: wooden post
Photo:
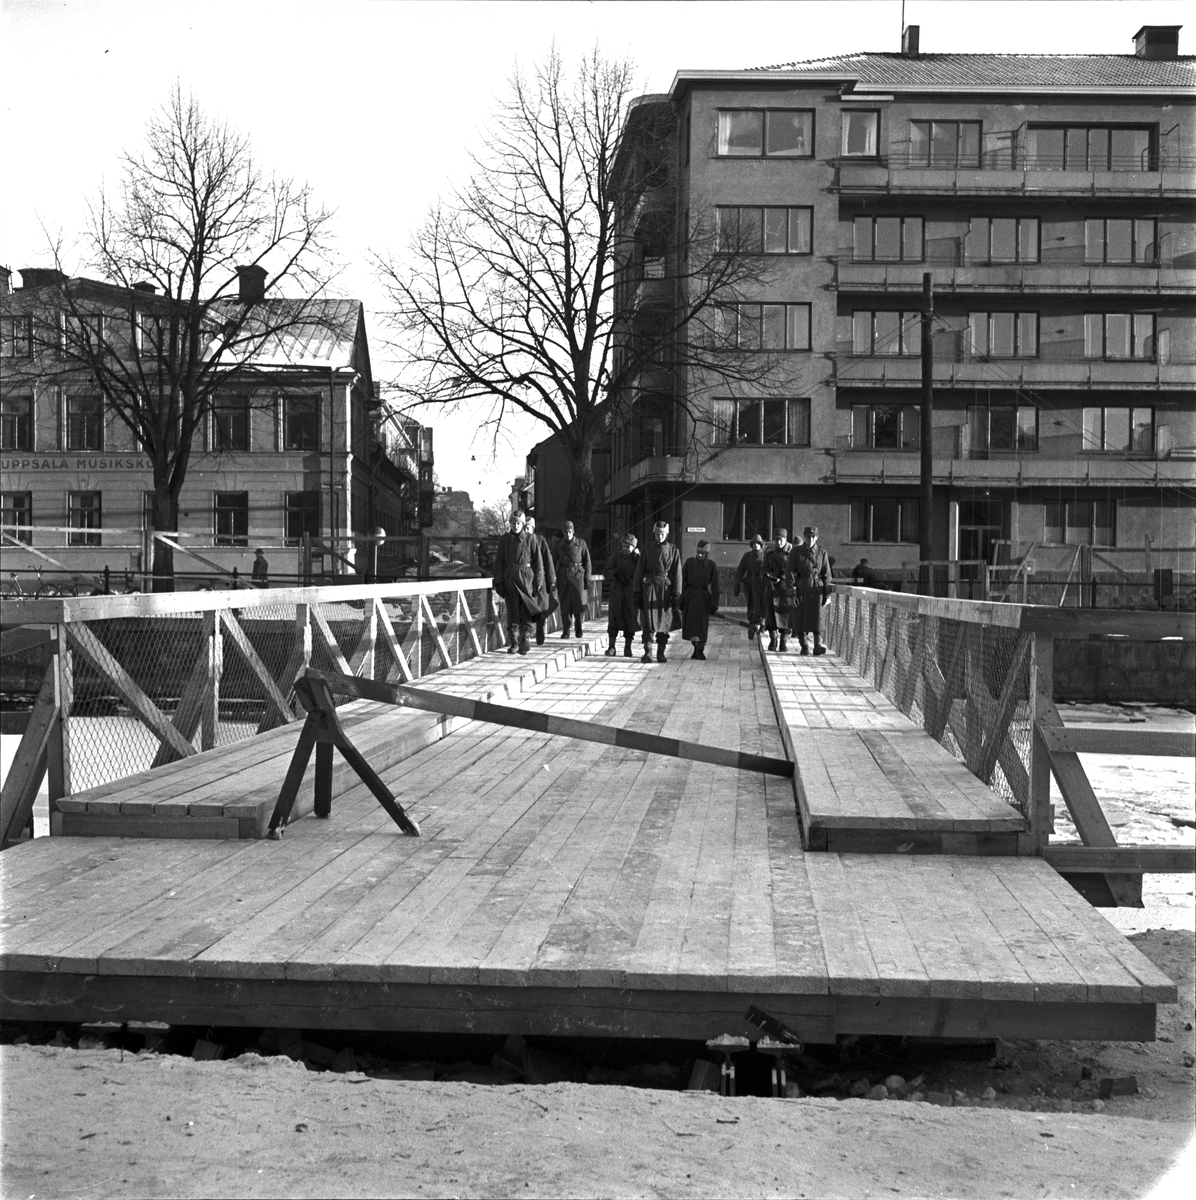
(417, 627)
(58, 749)
(214, 651)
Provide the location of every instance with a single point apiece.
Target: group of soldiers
(651, 591)
(787, 587)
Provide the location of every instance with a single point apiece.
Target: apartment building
(296, 446)
(1051, 199)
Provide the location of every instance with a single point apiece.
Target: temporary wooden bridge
(561, 886)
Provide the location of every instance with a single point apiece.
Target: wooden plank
(274, 698)
(390, 642)
(28, 766)
(361, 661)
(331, 645)
(125, 826)
(1075, 857)
(1106, 739)
(1089, 622)
(851, 969)
(146, 711)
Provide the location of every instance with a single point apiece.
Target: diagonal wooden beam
(28, 766)
(320, 625)
(391, 643)
(434, 630)
(274, 697)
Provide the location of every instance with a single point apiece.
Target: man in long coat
(573, 573)
(519, 579)
(620, 613)
(657, 590)
(749, 578)
(812, 588)
(549, 580)
(778, 598)
(699, 598)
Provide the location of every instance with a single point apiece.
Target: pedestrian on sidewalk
(573, 571)
(778, 598)
(621, 614)
(812, 588)
(549, 581)
(657, 590)
(749, 579)
(261, 569)
(699, 599)
(519, 579)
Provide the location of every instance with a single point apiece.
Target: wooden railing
(134, 681)
(979, 678)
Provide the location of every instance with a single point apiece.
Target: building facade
(1050, 199)
(297, 448)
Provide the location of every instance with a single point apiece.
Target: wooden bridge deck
(566, 887)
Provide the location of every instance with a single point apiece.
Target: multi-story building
(298, 445)
(550, 476)
(1051, 200)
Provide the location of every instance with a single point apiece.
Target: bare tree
(208, 264)
(522, 291)
(490, 521)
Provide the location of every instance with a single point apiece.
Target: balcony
(1000, 176)
(875, 371)
(1011, 470)
(653, 470)
(951, 274)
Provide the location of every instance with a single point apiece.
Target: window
(1128, 430)
(685, 139)
(230, 423)
(765, 230)
(761, 422)
(1091, 148)
(1080, 522)
(887, 239)
(766, 326)
(886, 427)
(301, 423)
(746, 516)
(886, 333)
(771, 133)
(84, 423)
(152, 337)
(16, 337)
(1003, 334)
(1001, 427)
(16, 423)
(861, 134)
(1002, 240)
(83, 518)
(1120, 240)
(302, 516)
(1119, 335)
(884, 519)
(82, 335)
(230, 525)
(16, 515)
(944, 143)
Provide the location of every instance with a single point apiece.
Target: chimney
(1157, 41)
(39, 277)
(146, 287)
(5, 281)
(909, 40)
(252, 284)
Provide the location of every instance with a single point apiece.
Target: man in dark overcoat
(519, 579)
(778, 597)
(699, 598)
(573, 571)
(621, 614)
(657, 590)
(812, 588)
(749, 579)
(549, 580)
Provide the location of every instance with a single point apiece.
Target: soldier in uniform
(749, 578)
(778, 598)
(519, 579)
(812, 588)
(699, 598)
(621, 615)
(573, 573)
(657, 590)
(549, 580)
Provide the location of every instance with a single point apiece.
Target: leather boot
(819, 648)
(512, 639)
(772, 639)
(627, 648)
(700, 651)
(524, 642)
(662, 640)
(647, 650)
(610, 650)
(751, 633)
(784, 643)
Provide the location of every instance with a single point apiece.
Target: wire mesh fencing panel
(965, 683)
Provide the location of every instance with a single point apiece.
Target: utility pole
(925, 584)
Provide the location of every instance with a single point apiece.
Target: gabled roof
(1001, 71)
(302, 333)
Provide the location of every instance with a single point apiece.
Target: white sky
(375, 103)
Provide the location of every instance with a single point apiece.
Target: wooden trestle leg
(321, 731)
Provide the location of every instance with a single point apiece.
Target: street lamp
(376, 537)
